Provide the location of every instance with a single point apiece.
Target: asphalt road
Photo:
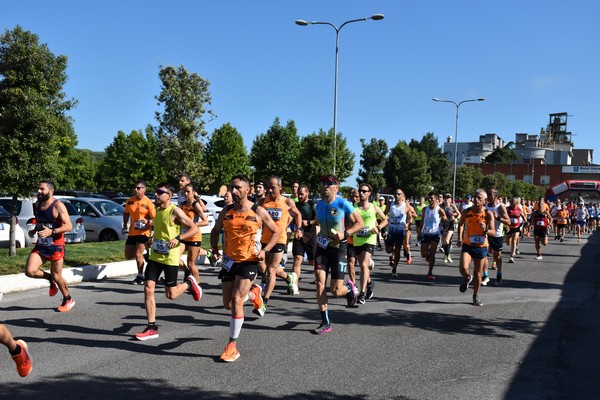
(536, 337)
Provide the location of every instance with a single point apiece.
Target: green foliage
(225, 156)
(527, 190)
(184, 96)
(372, 161)
(498, 181)
(317, 158)
(277, 152)
(35, 132)
(502, 155)
(440, 169)
(129, 158)
(407, 168)
(468, 179)
(80, 171)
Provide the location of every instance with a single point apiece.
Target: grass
(76, 255)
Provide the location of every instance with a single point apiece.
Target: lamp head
(481, 99)
(377, 17)
(301, 22)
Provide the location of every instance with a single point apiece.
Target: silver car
(103, 218)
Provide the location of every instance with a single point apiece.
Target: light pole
(455, 137)
(301, 22)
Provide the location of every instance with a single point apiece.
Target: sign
(581, 169)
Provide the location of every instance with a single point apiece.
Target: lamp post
(455, 137)
(374, 17)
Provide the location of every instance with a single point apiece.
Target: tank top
(139, 208)
(47, 219)
(189, 210)
(581, 214)
(397, 218)
(278, 210)
(474, 235)
(497, 224)
(164, 231)
(419, 210)
(514, 215)
(431, 221)
(539, 221)
(365, 236)
(243, 232)
(563, 216)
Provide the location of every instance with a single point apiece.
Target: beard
(43, 197)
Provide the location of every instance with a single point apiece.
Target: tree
(372, 161)
(468, 179)
(130, 158)
(184, 96)
(498, 181)
(277, 152)
(439, 168)
(407, 168)
(317, 158)
(35, 130)
(502, 155)
(80, 171)
(225, 156)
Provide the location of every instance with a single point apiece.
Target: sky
(527, 58)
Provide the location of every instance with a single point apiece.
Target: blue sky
(528, 58)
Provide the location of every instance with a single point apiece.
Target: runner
(381, 204)
(399, 217)
(193, 245)
(306, 244)
(141, 210)
(540, 219)
(419, 218)
(366, 238)
(52, 221)
(165, 256)
(563, 221)
(242, 223)
(581, 217)
(496, 241)
(448, 230)
(406, 245)
(475, 225)
(279, 208)
(18, 351)
(429, 231)
(353, 198)
(517, 218)
(260, 188)
(332, 215)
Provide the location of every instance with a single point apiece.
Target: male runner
(496, 241)
(399, 218)
(429, 231)
(307, 243)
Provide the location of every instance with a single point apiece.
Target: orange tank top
(188, 209)
(242, 234)
(474, 235)
(279, 212)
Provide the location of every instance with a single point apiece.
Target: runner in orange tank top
(193, 209)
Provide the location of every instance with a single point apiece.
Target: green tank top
(165, 230)
(365, 236)
(419, 210)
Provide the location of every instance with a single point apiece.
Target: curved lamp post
(455, 137)
(301, 22)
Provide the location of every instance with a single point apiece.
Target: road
(536, 337)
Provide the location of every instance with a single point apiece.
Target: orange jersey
(563, 216)
(544, 209)
(139, 208)
(242, 234)
(188, 209)
(279, 211)
(474, 235)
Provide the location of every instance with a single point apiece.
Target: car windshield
(108, 207)
(7, 205)
(4, 214)
(70, 208)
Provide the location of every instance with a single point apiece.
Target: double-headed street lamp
(375, 17)
(455, 137)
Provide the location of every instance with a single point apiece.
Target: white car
(214, 205)
(5, 231)
(103, 218)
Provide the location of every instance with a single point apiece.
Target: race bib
(365, 232)
(227, 263)
(515, 221)
(323, 241)
(184, 230)
(47, 241)
(540, 222)
(477, 239)
(139, 225)
(160, 246)
(275, 213)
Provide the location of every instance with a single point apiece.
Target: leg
(56, 268)
(150, 301)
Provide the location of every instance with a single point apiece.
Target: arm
(503, 215)
(125, 221)
(272, 226)
(357, 224)
(461, 228)
(297, 216)
(383, 220)
(198, 210)
(215, 232)
(489, 229)
(182, 219)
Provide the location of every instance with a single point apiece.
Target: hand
(261, 255)
(44, 233)
(299, 233)
(459, 243)
(173, 243)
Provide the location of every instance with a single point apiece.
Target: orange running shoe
(258, 301)
(66, 305)
(230, 354)
(53, 289)
(23, 360)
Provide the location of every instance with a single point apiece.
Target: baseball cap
(328, 180)
(469, 196)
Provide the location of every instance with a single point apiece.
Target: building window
(511, 177)
(545, 180)
(527, 179)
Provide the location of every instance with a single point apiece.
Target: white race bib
(139, 225)
(323, 241)
(47, 241)
(365, 232)
(275, 213)
(227, 263)
(477, 239)
(160, 246)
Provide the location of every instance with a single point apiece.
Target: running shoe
(562, 240)
(323, 329)
(485, 280)
(518, 252)
(138, 281)
(260, 311)
(370, 289)
(53, 289)
(409, 259)
(539, 257)
(151, 332)
(230, 354)
(476, 301)
(361, 298)
(23, 359)
(352, 294)
(293, 285)
(445, 259)
(430, 276)
(258, 301)
(463, 286)
(195, 289)
(394, 274)
(449, 259)
(511, 260)
(499, 280)
(66, 305)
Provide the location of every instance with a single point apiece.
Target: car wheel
(108, 235)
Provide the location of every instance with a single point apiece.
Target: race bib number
(139, 225)
(515, 221)
(477, 239)
(227, 263)
(541, 223)
(160, 246)
(47, 241)
(365, 232)
(275, 213)
(323, 241)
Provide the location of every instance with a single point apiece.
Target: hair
(167, 186)
(49, 183)
(186, 176)
(432, 193)
(303, 186)
(278, 179)
(191, 186)
(481, 191)
(367, 185)
(242, 178)
(141, 182)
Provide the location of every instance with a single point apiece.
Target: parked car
(5, 231)
(103, 218)
(77, 234)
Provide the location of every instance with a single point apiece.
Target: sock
(325, 316)
(446, 249)
(152, 325)
(288, 280)
(485, 274)
(17, 350)
(265, 301)
(67, 297)
(235, 327)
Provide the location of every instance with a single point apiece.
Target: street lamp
(301, 22)
(455, 137)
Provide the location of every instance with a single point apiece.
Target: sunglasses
(139, 188)
(160, 191)
(364, 191)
